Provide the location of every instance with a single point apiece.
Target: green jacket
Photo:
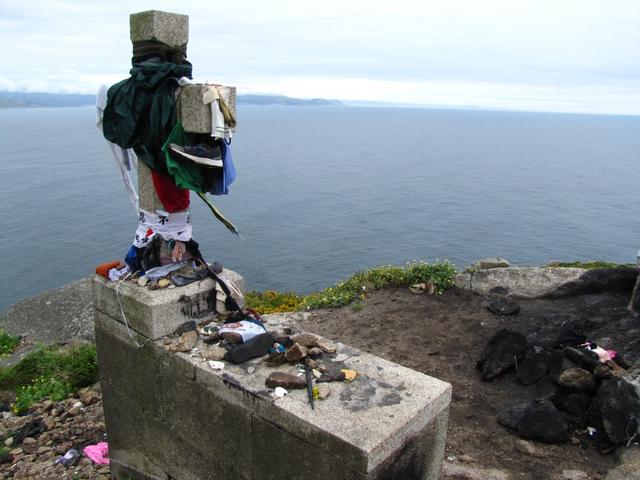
(141, 111)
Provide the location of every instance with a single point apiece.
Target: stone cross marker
(171, 29)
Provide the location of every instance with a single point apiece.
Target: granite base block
(169, 415)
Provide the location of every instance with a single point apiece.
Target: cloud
(542, 53)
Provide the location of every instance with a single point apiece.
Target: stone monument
(179, 416)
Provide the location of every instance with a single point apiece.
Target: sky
(579, 56)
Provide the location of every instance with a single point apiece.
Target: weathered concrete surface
(539, 282)
(189, 421)
(165, 27)
(147, 196)
(195, 115)
(59, 315)
(156, 313)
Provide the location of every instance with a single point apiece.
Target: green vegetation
(52, 372)
(8, 343)
(356, 287)
(590, 265)
(271, 301)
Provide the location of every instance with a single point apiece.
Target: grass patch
(355, 288)
(52, 372)
(359, 284)
(271, 301)
(8, 343)
(591, 264)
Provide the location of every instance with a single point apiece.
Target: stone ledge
(156, 313)
(546, 282)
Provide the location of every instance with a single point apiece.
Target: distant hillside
(32, 100)
(282, 100)
(28, 99)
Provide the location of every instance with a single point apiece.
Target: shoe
(201, 153)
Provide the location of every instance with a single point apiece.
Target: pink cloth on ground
(99, 453)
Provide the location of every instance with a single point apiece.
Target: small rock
(577, 379)
(466, 458)
(285, 380)
(215, 365)
(574, 475)
(296, 353)
(90, 397)
(29, 441)
(326, 346)
(501, 353)
(306, 340)
(251, 370)
(541, 421)
(185, 343)
(280, 392)
(536, 365)
(49, 422)
(77, 405)
(323, 390)
(164, 283)
(8, 442)
(492, 262)
(601, 372)
(504, 306)
(142, 281)
(619, 405)
(185, 327)
(583, 358)
(349, 375)
(456, 471)
(315, 351)
(213, 352)
(529, 448)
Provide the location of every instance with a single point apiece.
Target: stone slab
(195, 115)
(547, 282)
(169, 28)
(523, 282)
(156, 313)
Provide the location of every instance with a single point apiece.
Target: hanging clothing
(171, 226)
(125, 159)
(222, 119)
(199, 178)
(172, 197)
(140, 111)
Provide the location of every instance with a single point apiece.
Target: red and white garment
(170, 226)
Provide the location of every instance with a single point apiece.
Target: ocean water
(325, 191)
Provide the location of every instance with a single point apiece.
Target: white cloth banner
(171, 226)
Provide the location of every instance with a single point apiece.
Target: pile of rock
(582, 393)
(33, 442)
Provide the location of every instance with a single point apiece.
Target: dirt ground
(443, 335)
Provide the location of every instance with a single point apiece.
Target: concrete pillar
(172, 29)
